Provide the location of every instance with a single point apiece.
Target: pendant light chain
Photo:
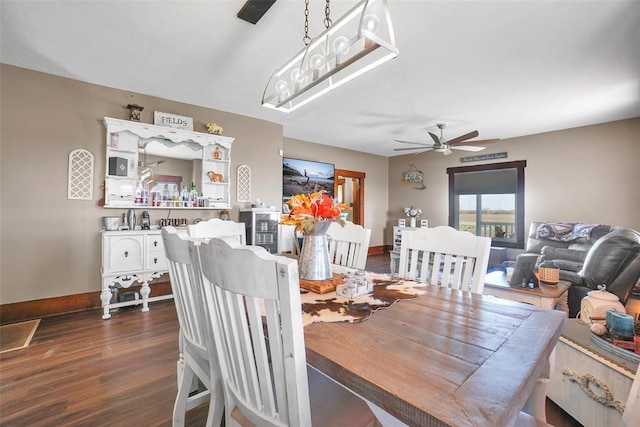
(327, 20)
(327, 12)
(306, 39)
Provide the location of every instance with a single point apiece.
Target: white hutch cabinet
(190, 170)
(131, 256)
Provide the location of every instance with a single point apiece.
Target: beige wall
(50, 246)
(376, 184)
(588, 174)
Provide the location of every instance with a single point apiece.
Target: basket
(550, 275)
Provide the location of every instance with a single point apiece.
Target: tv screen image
(306, 176)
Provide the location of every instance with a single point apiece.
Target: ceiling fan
(441, 145)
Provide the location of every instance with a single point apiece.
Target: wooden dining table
(445, 358)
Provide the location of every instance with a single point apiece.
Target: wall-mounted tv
(305, 176)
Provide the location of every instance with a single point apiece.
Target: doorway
(349, 189)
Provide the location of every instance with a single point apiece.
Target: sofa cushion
(552, 253)
(565, 265)
(564, 259)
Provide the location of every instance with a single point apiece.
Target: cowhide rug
(330, 307)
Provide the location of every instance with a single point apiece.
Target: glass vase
(413, 221)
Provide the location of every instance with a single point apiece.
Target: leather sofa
(609, 255)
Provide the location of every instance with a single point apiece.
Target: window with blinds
(488, 200)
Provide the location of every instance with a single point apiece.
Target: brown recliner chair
(614, 260)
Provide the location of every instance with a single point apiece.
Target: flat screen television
(306, 176)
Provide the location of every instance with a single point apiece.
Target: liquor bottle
(184, 197)
(138, 197)
(193, 196)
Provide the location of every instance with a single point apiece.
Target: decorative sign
(493, 156)
(412, 175)
(172, 120)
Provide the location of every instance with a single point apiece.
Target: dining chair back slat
(216, 227)
(253, 306)
(445, 256)
(348, 245)
(197, 359)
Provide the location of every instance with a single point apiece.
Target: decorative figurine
(215, 177)
(135, 112)
(214, 128)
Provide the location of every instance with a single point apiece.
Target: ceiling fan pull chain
(327, 13)
(306, 39)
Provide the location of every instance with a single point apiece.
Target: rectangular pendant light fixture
(359, 41)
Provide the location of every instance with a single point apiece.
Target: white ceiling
(505, 68)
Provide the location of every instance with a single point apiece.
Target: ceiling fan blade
(435, 138)
(479, 142)
(467, 148)
(413, 148)
(415, 143)
(464, 137)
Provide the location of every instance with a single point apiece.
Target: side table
(545, 296)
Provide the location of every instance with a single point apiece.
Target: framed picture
(424, 223)
(401, 222)
(305, 176)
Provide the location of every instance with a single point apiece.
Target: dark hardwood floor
(81, 370)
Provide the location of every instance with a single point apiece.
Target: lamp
(359, 41)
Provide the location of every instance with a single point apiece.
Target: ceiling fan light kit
(359, 41)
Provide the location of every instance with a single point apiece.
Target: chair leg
(182, 397)
(216, 405)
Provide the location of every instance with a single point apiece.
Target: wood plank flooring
(81, 370)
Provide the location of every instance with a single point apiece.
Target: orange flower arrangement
(308, 209)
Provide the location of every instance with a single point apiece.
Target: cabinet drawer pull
(155, 243)
(126, 254)
(155, 260)
(603, 394)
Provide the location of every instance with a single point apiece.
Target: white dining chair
(197, 359)
(459, 260)
(348, 245)
(445, 256)
(252, 299)
(216, 227)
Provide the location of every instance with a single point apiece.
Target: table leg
(105, 297)
(536, 403)
(145, 291)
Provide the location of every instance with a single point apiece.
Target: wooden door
(349, 188)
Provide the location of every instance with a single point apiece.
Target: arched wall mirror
(151, 166)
